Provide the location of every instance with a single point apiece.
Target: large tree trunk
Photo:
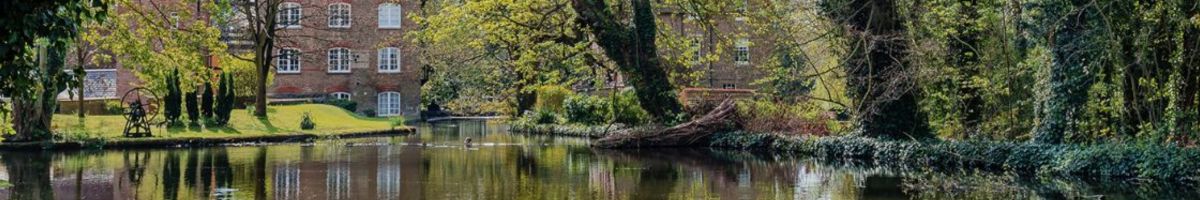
(33, 112)
(966, 58)
(695, 133)
(1073, 45)
(1189, 74)
(879, 78)
(635, 52)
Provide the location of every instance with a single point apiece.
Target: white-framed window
(339, 60)
(175, 20)
(289, 15)
(741, 53)
(389, 60)
(389, 104)
(340, 95)
(698, 42)
(339, 15)
(288, 61)
(97, 84)
(390, 15)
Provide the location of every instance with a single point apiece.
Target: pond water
(434, 163)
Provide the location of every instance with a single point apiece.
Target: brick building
(344, 49)
(737, 65)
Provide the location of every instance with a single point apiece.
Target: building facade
(342, 49)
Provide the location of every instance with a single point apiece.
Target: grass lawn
(283, 120)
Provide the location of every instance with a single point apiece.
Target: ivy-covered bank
(1151, 162)
(1102, 160)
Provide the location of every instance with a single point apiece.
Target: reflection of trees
(723, 171)
(30, 175)
(170, 176)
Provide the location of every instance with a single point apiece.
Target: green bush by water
(1159, 162)
(586, 109)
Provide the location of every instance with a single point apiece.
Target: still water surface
(434, 163)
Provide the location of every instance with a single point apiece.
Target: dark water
(435, 164)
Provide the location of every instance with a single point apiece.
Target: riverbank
(1120, 161)
(282, 125)
(178, 142)
(570, 130)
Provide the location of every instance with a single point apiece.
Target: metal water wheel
(141, 107)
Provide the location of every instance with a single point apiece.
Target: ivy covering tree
(33, 55)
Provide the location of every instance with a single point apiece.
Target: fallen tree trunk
(695, 132)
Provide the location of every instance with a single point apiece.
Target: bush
(306, 122)
(397, 121)
(193, 108)
(550, 98)
(173, 99)
(225, 100)
(778, 117)
(114, 107)
(206, 101)
(586, 109)
(545, 117)
(627, 110)
(343, 103)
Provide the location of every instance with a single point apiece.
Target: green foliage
(145, 39)
(1154, 162)
(225, 100)
(347, 104)
(173, 100)
(191, 102)
(627, 110)
(787, 118)
(541, 116)
(550, 98)
(306, 122)
(586, 109)
(206, 100)
(114, 107)
(397, 121)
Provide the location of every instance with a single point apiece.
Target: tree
(225, 100)
(33, 53)
(1072, 39)
(260, 20)
(173, 99)
(206, 100)
(193, 108)
(632, 47)
(879, 78)
(154, 39)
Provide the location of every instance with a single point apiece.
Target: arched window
(390, 15)
(389, 60)
(389, 104)
(288, 61)
(339, 15)
(340, 95)
(339, 60)
(289, 15)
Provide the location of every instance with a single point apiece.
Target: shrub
(173, 99)
(343, 103)
(586, 109)
(306, 122)
(206, 100)
(369, 113)
(397, 121)
(225, 100)
(193, 109)
(550, 98)
(778, 117)
(627, 110)
(114, 107)
(545, 117)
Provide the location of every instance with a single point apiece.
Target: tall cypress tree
(206, 100)
(193, 107)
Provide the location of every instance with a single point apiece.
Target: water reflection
(435, 164)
